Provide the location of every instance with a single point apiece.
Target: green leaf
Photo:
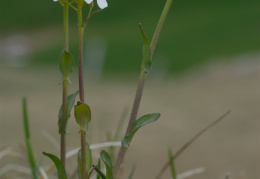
(132, 173)
(59, 166)
(30, 155)
(146, 62)
(71, 101)
(79, 164)
(142, 121)
(105, 157)
(172, 166)
(100, 173)
(99, 167)
(66, 64)
(83, 116)
(88, 160)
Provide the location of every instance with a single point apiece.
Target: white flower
(55, 0)
(101, 3)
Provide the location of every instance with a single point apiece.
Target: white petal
(89, 1)
(102, 4)
(55, 0)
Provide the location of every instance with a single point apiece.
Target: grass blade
(172, 166)
(185, 146)
(132, 173)
(30, 155)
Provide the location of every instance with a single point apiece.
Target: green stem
(81, 85)
(66, 25)
(64, 120)
(140, 86)
(80, 54)
(64, 87)
(159, 27)
(135, 108)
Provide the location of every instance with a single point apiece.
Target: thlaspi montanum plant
(82, 111)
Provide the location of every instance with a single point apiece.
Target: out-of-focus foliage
(195, 31)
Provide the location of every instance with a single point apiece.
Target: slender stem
(140, 86)
(63, 123)
(81, 85)
(135, 109)
(65, 87)
(160, 26)
(137, 101)
(66, 25)
(80, 54)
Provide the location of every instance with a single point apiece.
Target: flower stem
(159, 27)
(66, 25)
(63, 123)
(135, 108)
(65, 87)
(140, 86)
(81, 85)
(80, 54)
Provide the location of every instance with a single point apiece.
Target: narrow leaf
(99, 167)
(88, 160)
(132, 173)
(82, 115)
(146, 62)
(105, 157)
(66, 64)
(142, 121)
(59, 166)
(100, 173)
(79, 164)
(71, 101)
(172, 166)
(30, 155)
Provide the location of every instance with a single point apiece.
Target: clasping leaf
(82, 115)
(66, 64)
(71, 101)
(88, 160)
(146, 62)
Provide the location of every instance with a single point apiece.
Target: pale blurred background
(207, 62)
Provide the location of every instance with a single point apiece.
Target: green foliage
(30, 155)
(105, 157)
(100, 173)
(146, 62)
(142, 121)
(132, 173)
(99, 167)
(71, 101)
(88, 160)
(172, 166)
(66, 64)
(82, 115)
(59, 166)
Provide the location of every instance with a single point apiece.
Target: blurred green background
(196, 32)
